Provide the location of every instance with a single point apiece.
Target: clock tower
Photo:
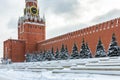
(31, 28)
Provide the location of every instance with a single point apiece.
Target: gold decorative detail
(34, 10)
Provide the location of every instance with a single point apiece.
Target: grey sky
(110, 15)
(62, 16)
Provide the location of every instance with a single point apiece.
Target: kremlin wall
(90, 34)
(32, 33)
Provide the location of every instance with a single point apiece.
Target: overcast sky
(62, 16)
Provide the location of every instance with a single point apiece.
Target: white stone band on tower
(31, 1)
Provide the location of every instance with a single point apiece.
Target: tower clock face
(34, 10)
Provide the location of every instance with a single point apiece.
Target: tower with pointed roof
(31, 27)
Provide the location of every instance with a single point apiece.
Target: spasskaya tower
(31, 27)
(31, 30)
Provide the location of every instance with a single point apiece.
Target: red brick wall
(7, 49)
(90, 34)
(31, 34)
(14, 50)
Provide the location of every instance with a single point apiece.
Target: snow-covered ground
(48, 75)
(79, 69)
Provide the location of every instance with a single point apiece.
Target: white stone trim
(32, 33)
(35, 1)
(33, 23)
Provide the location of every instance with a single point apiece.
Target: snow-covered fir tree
(49, 56)
(100, 51)
(27, 57)
(40, 56)
(82, 50)
(66, 52)
(63, 55)
(88, 52)
(57, 54)
(114, 49)
(75, 54)
(52, 50)
(44, 55)
(85, 51)
(34, 57)
(30, 57)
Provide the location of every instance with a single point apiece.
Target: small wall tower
(31, 27)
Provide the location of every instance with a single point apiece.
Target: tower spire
(31, 3)
(31, 11)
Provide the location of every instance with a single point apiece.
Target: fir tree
(57, 54)
(40, 56)
(49, 56)
(63, 53)
(66, 52)
(100, 51)
(34, 57)
(75, 54)
(27, 56)
(52, 50)
(62, 48)
(83, 49)
(88, 52)
(44, 55)
(114, 49)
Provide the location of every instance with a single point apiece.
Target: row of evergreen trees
(62, 54)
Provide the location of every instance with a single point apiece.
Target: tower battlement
(31, 13)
